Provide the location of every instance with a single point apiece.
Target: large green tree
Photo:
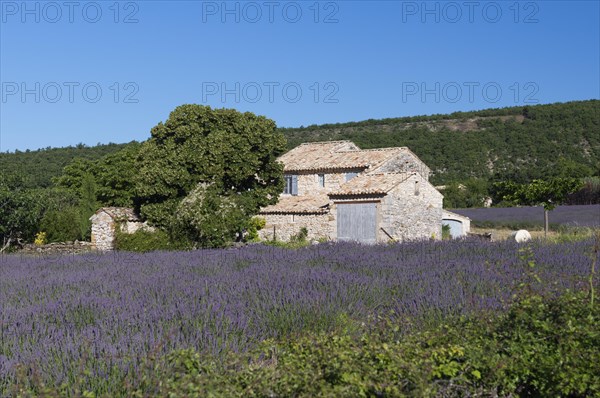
(234, 153)
(546, 193)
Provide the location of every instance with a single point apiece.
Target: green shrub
(255, 224)
(541, 347)
(573, 234)
(446, 232)
(296, 241)
(62, 225)
(207, 219)
(145, 241)
(301, 236)
(548, 348)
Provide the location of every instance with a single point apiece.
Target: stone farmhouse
(338, 191)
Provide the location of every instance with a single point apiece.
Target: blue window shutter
(322, 180)
(288, 184)
(294, 185)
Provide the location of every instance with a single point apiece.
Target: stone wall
(103, 231)
(407, 162)
(130, 227)
(308, 183)
(284, 226)
(412, 210)
(76, 247)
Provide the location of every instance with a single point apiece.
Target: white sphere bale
(521, 236)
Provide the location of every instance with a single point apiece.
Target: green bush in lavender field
(541, 347)
(146, 241)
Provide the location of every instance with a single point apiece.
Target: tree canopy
(114, 176)
(234, 153)
(547, 193)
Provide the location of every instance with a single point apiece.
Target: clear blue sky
(352, 60)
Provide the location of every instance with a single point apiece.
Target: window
(417, 192)
(350, 176)
(322, 180)
(291, 185)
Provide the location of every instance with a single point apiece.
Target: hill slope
(40, 166)
(520, 143)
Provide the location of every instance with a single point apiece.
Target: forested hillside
(37, 168)
(518, 143)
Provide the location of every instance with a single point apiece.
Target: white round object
(521, 236)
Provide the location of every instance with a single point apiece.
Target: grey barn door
(357, 222)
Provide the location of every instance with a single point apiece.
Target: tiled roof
(371, 184)
(313, 204)
(334, 155)
(120, 213)
(449, 214)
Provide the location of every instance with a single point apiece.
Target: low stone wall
(59, 248)
(283, 226)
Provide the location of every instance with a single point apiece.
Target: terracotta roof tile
(335, 155)
(371, 184)
(121, 213)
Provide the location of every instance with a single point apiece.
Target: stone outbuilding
(460, 226)
(337, 191)
(105, 221)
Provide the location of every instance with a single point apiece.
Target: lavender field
(576, 216)
(106, 313)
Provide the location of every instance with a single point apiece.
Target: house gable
(412, 210)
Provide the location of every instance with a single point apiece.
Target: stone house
(338, 191)
(105, 221)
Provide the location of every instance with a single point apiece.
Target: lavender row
(108, 312)
(579, 215)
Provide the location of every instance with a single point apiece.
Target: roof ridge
(326, 142)
(390, 151)
(391, 172)
(378, 149)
